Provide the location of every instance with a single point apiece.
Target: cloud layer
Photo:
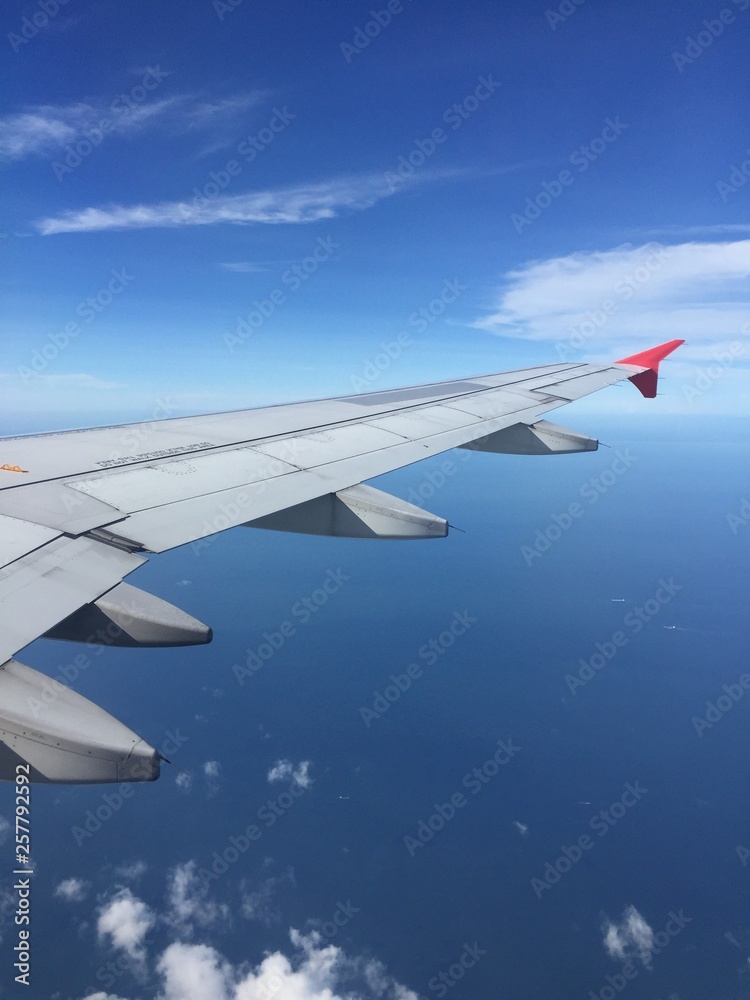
(185, 969)
(648, 293)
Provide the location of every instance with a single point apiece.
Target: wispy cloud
(292, 205)
(630, 938)
(685, 232)
(252, 266)
(297, 774)
(41, 130)
(189, 903)
(257, 900)
(131, 871)
(697, 291)
(67, 380)
(212, 774)
(72, 890)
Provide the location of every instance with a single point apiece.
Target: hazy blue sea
(504, 678)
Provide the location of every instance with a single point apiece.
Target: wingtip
(651, 357)
(646, 380)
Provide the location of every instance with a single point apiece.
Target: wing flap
(163, 528)
(18, 538)
(45, 586)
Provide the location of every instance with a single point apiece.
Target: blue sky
(210, 205)
(541, 182)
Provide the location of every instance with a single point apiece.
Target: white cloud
(630, 938)
(126, 920)
(101, 995)
(695, 291)
(212, 774)
(297, 774)
(73, 890)
(43, 129)
(184, 781)
(4, 829)
(187, 970)
(131, 872)
(194, 972)
(298, 204)
(36, 132)
(314, 972)
(189, 902)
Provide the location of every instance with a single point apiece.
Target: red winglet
(645, 381)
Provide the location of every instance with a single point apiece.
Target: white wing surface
(81, 510)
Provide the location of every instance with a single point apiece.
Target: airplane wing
(81, 510)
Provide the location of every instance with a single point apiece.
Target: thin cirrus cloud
(696, 291)
(298, 204)
(43, 129)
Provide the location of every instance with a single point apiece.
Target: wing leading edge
(90, 505)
